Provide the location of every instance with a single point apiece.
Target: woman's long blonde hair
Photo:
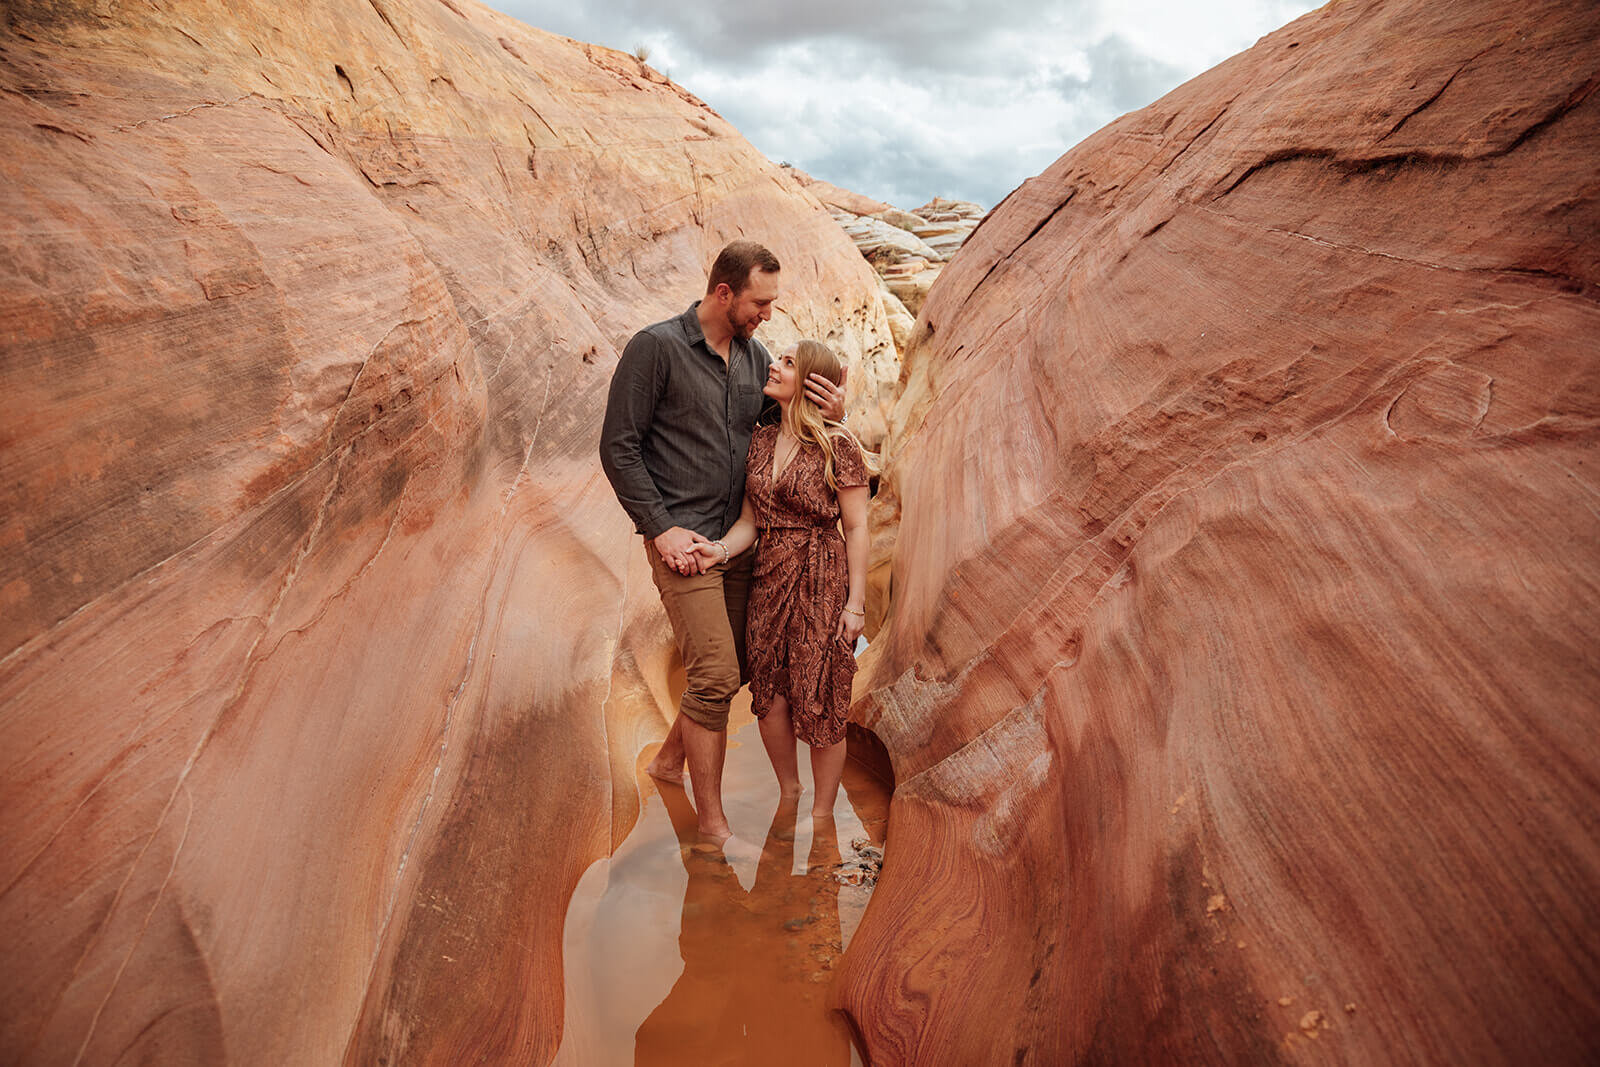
(804, 419)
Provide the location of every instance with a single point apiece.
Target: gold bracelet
(725, 555)
(853, 611)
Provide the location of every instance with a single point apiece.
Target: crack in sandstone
(1578, 287)
(181, 114)
(343, 590)
(1414, 156)
(527, 455)
(1408, 116)
(243, 519)
(382, 933)
(1169, 164)
(246, 673)
(1002, 260)
(115, 766)
(149, 914)
(338, 413)
(384, 15)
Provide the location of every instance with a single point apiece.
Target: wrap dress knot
(800, 585)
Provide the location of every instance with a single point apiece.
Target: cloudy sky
(904, 102)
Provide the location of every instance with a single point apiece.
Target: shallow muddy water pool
(678, 956)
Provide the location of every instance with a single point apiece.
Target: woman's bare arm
(853, 515)
(740, 536)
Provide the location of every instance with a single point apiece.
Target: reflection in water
(755, 965)
(679, 956)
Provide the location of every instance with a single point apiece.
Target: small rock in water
(862, 870)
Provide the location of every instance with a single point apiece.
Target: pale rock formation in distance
(910, 248)
(884, 241)
(1240, 676)
(325, 650)
(947, 224)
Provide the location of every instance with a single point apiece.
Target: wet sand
(677, 956)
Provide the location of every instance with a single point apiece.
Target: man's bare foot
(667, 772)
(736, 850)
(713, 840)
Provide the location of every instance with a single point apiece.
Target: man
(684, 399)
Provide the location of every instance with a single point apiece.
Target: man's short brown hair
(736, 261)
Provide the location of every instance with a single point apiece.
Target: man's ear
(722, 294)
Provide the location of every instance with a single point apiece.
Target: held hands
(679, 550)
(710, 554)
(828, 397)
(851, 624)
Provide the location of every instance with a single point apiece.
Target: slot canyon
(1236, 553)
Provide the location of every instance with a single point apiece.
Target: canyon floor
(678, 956)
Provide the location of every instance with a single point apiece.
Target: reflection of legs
(698, 1021)
(668, 763)
(777, 734)
(827, 937)
(685, 824)
(824, 855)
(827, 767)
(777, 855)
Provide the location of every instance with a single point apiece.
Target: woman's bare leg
(777, 734)
(827, 767)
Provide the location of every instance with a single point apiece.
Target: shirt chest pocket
(747, 404)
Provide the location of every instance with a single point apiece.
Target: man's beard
(745, 330)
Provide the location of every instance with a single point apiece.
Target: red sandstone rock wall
(1240, 677)
(322, 638)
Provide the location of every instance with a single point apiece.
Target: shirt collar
(696, 336)
(691, 324)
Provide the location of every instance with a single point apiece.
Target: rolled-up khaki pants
(707, 612)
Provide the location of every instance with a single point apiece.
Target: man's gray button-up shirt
(678, 424)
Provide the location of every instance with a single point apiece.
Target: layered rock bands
(1240, 672)
(325, 650)
(1239, 538)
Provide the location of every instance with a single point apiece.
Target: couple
(702, 482)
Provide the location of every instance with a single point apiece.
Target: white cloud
(946, 99)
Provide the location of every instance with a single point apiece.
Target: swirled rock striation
(1240, 675)
(325, 650)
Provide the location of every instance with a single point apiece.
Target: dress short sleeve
(849, 464)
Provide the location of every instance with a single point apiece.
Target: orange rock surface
(1241, 663)
(307, 314)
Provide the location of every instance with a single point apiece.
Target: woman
(808, 594)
